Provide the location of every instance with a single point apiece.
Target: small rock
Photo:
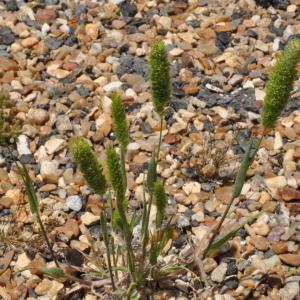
(192, 187)
(291, 259)
(92, 31)
(275, 183)
(279, 247)
(22, 261)
(38, 116)
(45, 16)
(290, 291)
(43, 287)
(165, 22)
(259, 242)
(88, 218)
(53, 145)
(223, 194)
(218, 274)
(74, 203)
(209, 264)
(288, 193)
(50, 171)
(112, 86)
(176, 52)
(6, 36)
(22, 145)
(29, 42)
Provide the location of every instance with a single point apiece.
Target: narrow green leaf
(241, 175)
(52, 272)
(32, 197)
(218, 244)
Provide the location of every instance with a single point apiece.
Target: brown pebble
(291, 259)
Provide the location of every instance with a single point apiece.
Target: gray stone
(74, 203)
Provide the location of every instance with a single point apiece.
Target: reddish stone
(172, 138)
(45, 16)
(191, 90)
(69, 66)
(288, 193)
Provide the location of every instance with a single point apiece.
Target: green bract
(119, 120)
(88, 164)
(280, 84)
(160, 80)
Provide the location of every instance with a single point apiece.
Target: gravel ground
(60, 60)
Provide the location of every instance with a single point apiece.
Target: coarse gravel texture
(60, 60)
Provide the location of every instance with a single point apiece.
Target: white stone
(112, 86)
(259, 94)
(221, 111)
(276, 44)
(22, 145)
(53, 145)
(74, 203)
(275, 183)
(49, 171)
(192, 187)
(165, 22)
(176, 52)
(278, 143)
(88, 218)
(218, 274)
(289, 30)
(290, 291)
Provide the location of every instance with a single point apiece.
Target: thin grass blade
(218, 244)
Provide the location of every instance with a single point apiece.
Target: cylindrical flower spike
(88, 164)
(280, 84)
(160, 201)
(159, 69)
(119, 120)
(115, 172)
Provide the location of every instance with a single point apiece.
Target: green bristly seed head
(280, 84)
(119, 120)
(159, 69)
(88, 164)
(160, 200)
(115, 173)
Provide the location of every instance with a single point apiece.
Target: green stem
(38, 217)
(106, 242)
(236, 193)
(146, 236)
(46, 239)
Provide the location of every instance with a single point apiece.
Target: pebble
(29, 42)
(74, 203)
(275, 183)
(38, 116)
(54, 145)
(291, 259)
(218, 274)
(89, 219)
(108, 88)
(49, 171)
(192, 188)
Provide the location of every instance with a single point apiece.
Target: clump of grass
(278, 91)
